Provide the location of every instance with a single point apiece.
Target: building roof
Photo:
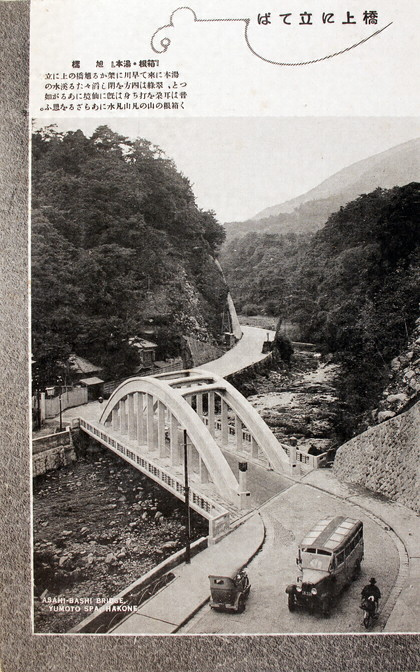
(81, 365)
(91, 381)
(141, 342)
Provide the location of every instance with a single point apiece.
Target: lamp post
(187, 502)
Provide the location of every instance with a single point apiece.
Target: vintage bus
(329, 558)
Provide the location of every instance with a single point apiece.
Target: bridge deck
(204, 497)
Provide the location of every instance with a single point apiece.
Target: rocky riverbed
(98, 526)
(299, 401)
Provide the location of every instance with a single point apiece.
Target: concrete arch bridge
(150, 420)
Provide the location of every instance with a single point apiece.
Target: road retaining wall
(51, 452)
(385, 459)
(246, 374)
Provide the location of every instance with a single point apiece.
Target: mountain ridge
(323, 189)
(308, 212)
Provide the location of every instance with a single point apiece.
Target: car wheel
(291, 602)
(241, 605)
(326, 608)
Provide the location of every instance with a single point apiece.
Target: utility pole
(187, 502)
(60, 382)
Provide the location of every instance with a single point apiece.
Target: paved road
(287, 518)
(247, 351)
(262, 483)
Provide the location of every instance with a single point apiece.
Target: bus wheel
(356, 571)
(291, 602)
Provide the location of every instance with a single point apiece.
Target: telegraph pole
(60, 382)
(187, 502)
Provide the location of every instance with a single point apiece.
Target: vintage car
(329, 558)
(230, 592)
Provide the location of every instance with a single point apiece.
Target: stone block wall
(51, 452)
(385, 459)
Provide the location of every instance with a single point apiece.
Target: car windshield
(315, 560)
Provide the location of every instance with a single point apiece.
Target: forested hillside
(117, 243)
(357, 290)
(260, 270)
(352, 287)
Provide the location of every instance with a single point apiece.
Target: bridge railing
(231, 429)
(218, 526)
(199, 502)
(311, 461)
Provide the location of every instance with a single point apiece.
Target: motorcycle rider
(372, 590)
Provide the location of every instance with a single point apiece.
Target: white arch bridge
(148, 420)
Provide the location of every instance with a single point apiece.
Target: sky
(239, 166)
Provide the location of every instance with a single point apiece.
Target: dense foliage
(357, 291)
(117, 243)
(260, 270)
(352, 287)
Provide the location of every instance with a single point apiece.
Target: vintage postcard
(224, 326)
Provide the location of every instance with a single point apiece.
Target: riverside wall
(240, 378)
(51, 452)
(385, 459)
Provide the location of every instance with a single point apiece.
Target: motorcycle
(369, 612)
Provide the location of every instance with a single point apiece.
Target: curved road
(247, 351)
(287, 517)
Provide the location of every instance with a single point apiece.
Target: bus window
(340, 558)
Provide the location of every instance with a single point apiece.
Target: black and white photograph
(225, 428)
(210, 336)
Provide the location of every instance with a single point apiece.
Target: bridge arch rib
(194, 382)
(148, 392)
